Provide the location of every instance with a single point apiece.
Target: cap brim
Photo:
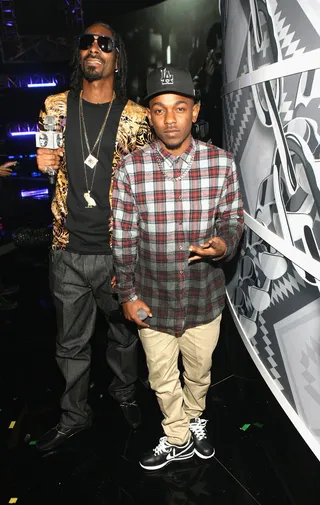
(167, 92)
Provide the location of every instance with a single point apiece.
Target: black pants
(80, 284)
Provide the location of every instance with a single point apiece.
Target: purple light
(21, 134)
(42, 85)
(34, 193)
(9, 24)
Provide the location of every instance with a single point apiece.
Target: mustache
(93, 56)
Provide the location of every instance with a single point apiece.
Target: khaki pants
(162, 350)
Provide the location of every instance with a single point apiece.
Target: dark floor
(269, 463)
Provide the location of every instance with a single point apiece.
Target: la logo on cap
(166, 77)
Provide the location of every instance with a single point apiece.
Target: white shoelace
(198, 428)
(163, 447)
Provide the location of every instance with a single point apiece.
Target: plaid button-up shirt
(156, 219)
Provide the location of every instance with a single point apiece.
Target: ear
(195, 112)
(149, 116)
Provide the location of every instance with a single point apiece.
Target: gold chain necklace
(91, 161)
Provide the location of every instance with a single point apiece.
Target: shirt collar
(186, 156)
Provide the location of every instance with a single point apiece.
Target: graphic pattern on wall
(271, 100)
(280, 316)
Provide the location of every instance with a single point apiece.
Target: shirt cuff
(230, 241)
(218, 258)
(131, 298)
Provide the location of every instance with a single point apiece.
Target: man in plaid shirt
(177, 211)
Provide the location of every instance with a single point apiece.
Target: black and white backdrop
(271, 108)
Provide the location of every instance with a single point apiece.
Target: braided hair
(120, 80)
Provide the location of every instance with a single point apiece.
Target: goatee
(172, 147)
(90, 74)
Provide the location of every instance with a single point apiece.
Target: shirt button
(181, 272)
(180, 247)
(180, 197)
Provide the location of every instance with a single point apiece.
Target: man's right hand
(49, 158)
(130, 310)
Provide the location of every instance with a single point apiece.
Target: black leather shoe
(9, 290)
(6, 305)
(132, 413)
(57, 435)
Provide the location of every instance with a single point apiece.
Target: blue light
(21, 134)
(14, 156)
(42, 85)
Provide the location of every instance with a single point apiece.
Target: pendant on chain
(90, 201)
(91, 161)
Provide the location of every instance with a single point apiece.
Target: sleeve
(143, 137)
(229, 218)
(42, 113)
(125, 234)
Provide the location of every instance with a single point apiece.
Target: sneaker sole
(158, 467)
(202, 456)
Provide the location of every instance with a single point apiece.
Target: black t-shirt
(89, 227)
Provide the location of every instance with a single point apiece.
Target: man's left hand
(216, 247)
(6, 169)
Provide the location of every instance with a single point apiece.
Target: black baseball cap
(169, 79)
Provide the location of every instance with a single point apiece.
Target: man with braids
(100, 126)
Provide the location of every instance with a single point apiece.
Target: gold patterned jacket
(133, 133)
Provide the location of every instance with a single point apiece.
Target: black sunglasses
(106, 44)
